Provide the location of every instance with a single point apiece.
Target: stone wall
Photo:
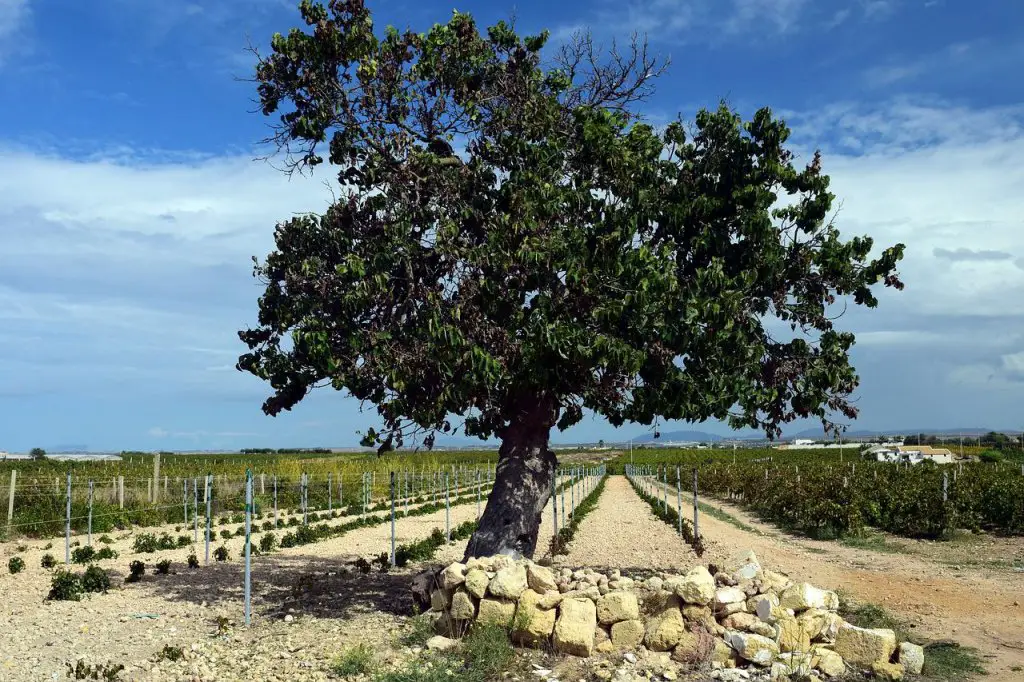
(738, 616)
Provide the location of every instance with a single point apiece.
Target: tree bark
(522, 485)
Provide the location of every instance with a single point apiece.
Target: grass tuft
(948, 661)
(357, 660)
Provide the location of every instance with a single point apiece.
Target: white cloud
(14, 16)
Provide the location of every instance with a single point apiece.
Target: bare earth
(975, 606)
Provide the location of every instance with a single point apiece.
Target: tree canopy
(511, 235)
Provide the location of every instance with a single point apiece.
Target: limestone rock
(828, 662)
(696, 587)
(792, 635)
(508, 583)
(617, 606)
(754, 648)
(605, 646)
(912, 658)
(692, 648)
(482, 564)
(654, 583)
(550, 600)
(627, 634)
(729, 595)
(540, 578)
(768, 608)
(575, 628)
(439, 643)
(770, 581)
(813, 621)
(864, 647)
(532, 625)
(723, 654)
(743, 566)
(701, 615)
(462, 607)
(496, 612)
(476, 582)
(830, 628)
(666, 627)
(891, 672)
(439, 599)
(803, 596)
(453, 576)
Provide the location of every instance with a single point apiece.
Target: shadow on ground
(311, 585)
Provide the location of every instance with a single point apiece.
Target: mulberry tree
(511, 244)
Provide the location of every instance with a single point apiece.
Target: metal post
(696, 518)
(554, 503)
(120, 491)
(156, 478)
(184, 499)
(67, 525)
(302, 497)
(195, 511)
(275, 500)
(330, 493)
(89, 541)
(10, 502)
(945, 487)
(447, 511)
(392, 519)
(248, 545)
(679, 498)
(208, 493)
(478, 494)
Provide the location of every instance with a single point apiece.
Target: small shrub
(193, 560)
(83, 555)
(145, 543)
(65, 586)
(95, 579)
(238, 518)
(21, 548)
(136, 570)
(184, 541)
(166, 542)
(163, 567)
(357, 660)
(105, 539)
(240, 532)
(106, 553)
(48, 561)
(170, 653)
(49, 545)
(268, 542)
(94, 671)
(225, 534)
(267, 525)
(221, 553)
(16, 565)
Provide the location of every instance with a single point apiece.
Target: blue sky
(130, 203)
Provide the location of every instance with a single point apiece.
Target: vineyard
(825, 497)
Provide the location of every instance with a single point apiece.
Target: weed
(357, 660)
(221, 554)
(95, 579)
(16, 565)
(136, 570)
(223, 624)
(421, 629)
(48, 561)
(268, 525)
(105, 539)
(948, 661)
(49, 545)
(65, 586)
(94, 671)
(163, 567)
(83, 555)
(21, 548)
(193, 560)
(170, 653)
(225, 534)
(239, 532)
(870, 616)
(184, 541)
(485, 654)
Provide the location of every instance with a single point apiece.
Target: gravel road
(621, 532)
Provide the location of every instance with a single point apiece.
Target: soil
(974, 604)
(310, 604)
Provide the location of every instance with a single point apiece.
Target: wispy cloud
(14, 17)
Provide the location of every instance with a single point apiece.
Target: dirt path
(980, 609)
(621, 532)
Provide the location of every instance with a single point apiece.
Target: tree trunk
(522, 486)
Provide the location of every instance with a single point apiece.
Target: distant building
(910, 454)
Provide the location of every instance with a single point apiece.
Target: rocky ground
(310, 605)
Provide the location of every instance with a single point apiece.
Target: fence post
(156, 477)
(679, 498)
(195, 511)
(330, 493)
(275, 500)
(208, 494)
(67, 525)
(120, 491)
(89, 523)
(10, 502)
(302, 497)
(945, 487)
(392, 519)
(554, 504)
(696, 513)
(184, 498)
(447, 510)
(562, 493)
(248, 545)
(478, 494)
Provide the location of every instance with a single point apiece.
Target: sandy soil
(977, 606)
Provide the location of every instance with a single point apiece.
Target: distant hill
(818, 433)
(685, 436)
